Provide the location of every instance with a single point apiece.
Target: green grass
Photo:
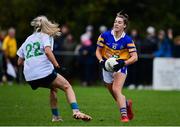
(19, 105)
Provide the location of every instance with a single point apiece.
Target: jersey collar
(116, 39)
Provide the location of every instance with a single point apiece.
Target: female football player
(116, 43)
(41, 66)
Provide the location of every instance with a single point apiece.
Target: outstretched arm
(51, 56)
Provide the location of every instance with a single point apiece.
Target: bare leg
(61, 83)
(54, 105)
(109, 87)
(53, 98)
(119, 79)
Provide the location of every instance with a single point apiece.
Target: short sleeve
(100, 41)
(131, 46)
(46, 40)
(20, 52)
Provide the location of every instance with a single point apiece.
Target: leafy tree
(77, 14)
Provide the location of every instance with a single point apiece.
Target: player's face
(119, 24)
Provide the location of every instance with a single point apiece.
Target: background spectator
(2, 36)
(149, 45)
(9, 48)
(176, 47)
(134, 73)
(59, 41)
(69, 46)
(87, 58)
(102, 28)
(170, 34)
(164, 45)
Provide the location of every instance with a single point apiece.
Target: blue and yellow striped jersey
(118, 48)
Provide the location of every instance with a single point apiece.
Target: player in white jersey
(40, 66)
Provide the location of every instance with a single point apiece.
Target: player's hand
(102, 63)
(119, 65)
(62, 70)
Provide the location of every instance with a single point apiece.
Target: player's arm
(98, 53)
(20, 61)
(133, 53)
(51, 56)
(100, 44)
(133, 58)
(99, 57)
(21, 56)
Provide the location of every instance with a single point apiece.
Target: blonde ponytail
(42, 24)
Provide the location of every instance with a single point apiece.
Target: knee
(67, 86)
(116, 89)
(117, 92)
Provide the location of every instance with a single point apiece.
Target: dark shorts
(45, 82)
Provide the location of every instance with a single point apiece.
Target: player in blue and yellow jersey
(116, 43)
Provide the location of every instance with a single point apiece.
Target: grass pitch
(19, 105)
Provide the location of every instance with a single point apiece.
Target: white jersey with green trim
(36, 63)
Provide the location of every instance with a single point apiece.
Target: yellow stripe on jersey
(120, 54)
(100, 41)
(100, 44)
(131, 45)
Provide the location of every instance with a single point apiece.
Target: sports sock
(74, 106)
(123, 111)
(55, 111)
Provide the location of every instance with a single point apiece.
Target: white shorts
(108, 77)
